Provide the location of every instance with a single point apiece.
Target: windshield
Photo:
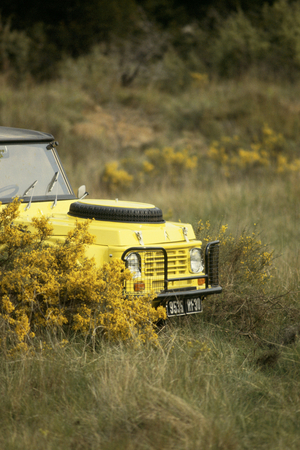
(30, 170)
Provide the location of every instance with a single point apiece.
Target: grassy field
(201, 388)
(211, 383)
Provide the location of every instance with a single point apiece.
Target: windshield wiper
(30, 187)
(53, 181)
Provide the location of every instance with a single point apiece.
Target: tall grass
(199, 389)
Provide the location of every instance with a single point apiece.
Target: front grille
(153, 267)
(154, 263)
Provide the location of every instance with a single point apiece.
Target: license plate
(184, 306)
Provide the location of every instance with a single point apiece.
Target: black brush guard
(211, 275)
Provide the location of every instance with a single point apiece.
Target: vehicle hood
(110, 233)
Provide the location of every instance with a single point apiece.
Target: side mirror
(81, 192)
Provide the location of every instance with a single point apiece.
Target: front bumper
(164, 297)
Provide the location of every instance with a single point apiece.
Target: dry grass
(197, 390)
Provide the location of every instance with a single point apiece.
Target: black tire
(115, 214)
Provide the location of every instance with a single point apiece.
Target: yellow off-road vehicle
(163, 257)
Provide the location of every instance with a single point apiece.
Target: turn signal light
(201, 281)
(140, 286)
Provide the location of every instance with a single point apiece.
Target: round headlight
(196, 260)
(134, 264)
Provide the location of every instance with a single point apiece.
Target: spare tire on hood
(116, 211)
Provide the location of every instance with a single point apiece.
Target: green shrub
(15, 50)
(238, 46)
(267, 42)
(26, 54)
(281, 22)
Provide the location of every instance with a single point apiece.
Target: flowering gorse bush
(52, 285)
(116, 178)
(246, 272)
(200, 80)
(270, 151)
(164, 165)
(169, 164)
(250, 257)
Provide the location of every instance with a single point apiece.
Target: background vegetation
(221, 37)
(201, 104)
